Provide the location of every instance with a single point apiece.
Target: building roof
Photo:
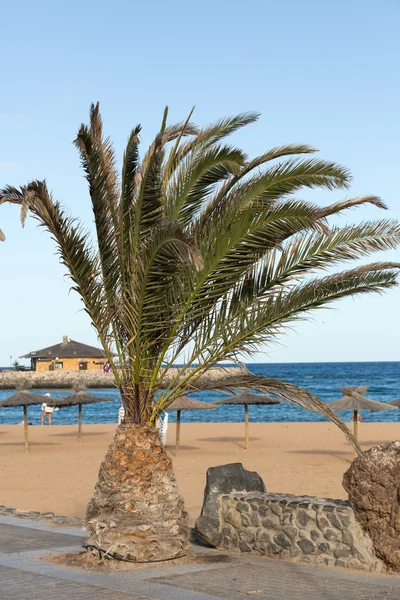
(67, 349)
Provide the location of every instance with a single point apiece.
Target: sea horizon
(299, 362)
(324, 379)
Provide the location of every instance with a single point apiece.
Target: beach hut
(355, 401)
(185, 403)
(78, 398)
(23, 398)
(246, 399)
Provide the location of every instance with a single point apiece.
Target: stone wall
(297, 528)
(62, 378)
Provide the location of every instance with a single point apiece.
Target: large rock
(373, 485)
(224, 479)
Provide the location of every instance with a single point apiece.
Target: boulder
(223, 480)
(373, 484)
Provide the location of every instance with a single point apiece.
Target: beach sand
(59, 473)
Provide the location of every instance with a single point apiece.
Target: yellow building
(69, 356)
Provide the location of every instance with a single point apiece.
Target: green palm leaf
(202, 254)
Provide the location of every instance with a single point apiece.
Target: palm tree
(202, 254)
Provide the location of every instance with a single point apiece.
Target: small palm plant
(202, 255)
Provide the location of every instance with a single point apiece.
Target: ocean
(322, 379)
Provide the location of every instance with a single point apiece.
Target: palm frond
(73, 246)
(338, 207)
(277, 182)
(283, 391)
(203, 254)
(98, 162)
(195, 181)
(319, 251)
(261, 320)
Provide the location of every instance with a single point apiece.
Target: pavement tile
(23, 539)
(22, 585)
(284, 581)
(22, 577)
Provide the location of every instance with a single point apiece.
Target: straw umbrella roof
(247, 399)
(22, 398)
(395, 403)
(185, 403)
(79, 397)
(353, 400)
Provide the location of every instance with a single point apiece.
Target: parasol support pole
(355, 426)
(26, 428)
(246, 424)
(178, 431)
(79, 422)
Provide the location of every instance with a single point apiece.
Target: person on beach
(359, 417)
(47, 411)
(106, 368)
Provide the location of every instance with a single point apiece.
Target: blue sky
(322, 73)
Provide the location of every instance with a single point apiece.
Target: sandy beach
(58, 474)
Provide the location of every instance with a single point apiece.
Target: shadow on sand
(171, 448)
(367, 444)
(228, 439)
(75, 433)
(342, 455)
(236, 441)
(30, 444)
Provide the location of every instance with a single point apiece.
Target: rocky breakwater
(49, 380)
(93, 379)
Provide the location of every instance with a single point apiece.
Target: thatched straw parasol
(395, 403)
(24, 398)
(246, 399)
(78, 398)
(355, 401)
(185, 403)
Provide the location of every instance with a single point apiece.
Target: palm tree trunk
(136, 512)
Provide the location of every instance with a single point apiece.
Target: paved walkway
(222, 577)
